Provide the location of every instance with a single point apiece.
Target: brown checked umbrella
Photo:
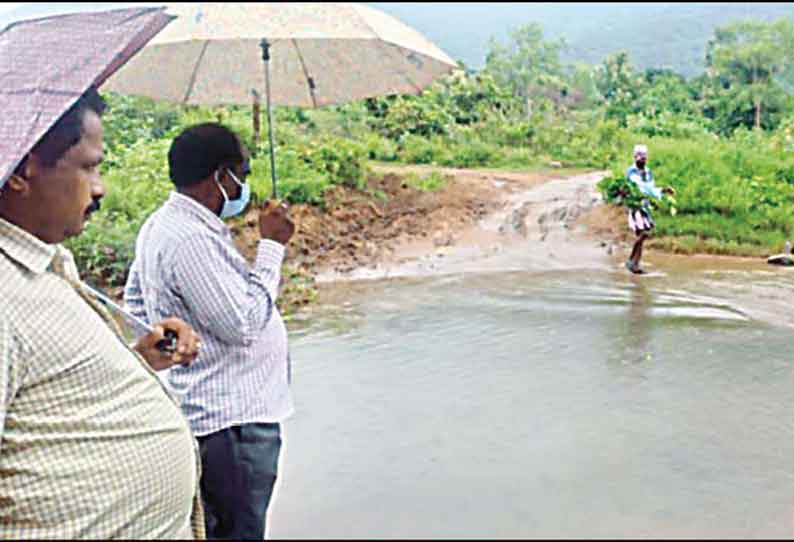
(319, 54)
(47, 64)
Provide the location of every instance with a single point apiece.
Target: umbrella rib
(15, 164)
(389, 45)
(391, 48)
(143, 37)
(195, 72)
(309, 80)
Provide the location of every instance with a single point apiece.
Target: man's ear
(17, 185)
(19, 181)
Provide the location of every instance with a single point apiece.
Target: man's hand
(187, 345)
(274, 223)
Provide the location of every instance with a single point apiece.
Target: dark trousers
(239, 466)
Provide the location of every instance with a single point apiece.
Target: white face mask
(234, 207)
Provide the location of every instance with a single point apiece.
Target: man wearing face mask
(236, 394)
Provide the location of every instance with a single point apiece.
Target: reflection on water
(542, 405)
(638, 326)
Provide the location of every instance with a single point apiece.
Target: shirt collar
(25, 248)
(195, 209)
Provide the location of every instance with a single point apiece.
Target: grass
(689, 244)
(432, 182)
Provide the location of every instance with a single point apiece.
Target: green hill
(669, 35)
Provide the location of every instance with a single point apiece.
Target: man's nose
(98, 189)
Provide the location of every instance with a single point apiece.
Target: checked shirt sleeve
(10, 367)
(222, 292)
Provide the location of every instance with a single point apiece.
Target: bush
(418, 150)
(380, 148)
(667, 124)
(518, 133)
(414, 116)
(469, 155)
(297, 182)
(343, 160)
(128, 120)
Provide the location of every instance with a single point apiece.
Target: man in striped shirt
(236, 393)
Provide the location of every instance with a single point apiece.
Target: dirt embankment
(359, 228)
(395, 229)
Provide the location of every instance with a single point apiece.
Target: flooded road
(582, 403)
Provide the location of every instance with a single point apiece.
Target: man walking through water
(640, 219)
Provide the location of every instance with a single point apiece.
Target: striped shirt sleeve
(222, 292)
(133, 295)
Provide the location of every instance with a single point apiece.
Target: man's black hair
(201, 149)
(68, 130)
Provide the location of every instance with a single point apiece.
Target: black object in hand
(169, 343)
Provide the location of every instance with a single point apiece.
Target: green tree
(745, 60)
(666, 91)
(582, 81)
(527, 63)
(619, 85)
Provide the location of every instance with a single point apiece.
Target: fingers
(149, 340)
(159, 360)
(188, 342)
(276, 206)
(147, 348)
(188, 346)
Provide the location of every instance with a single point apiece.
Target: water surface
(560, 404)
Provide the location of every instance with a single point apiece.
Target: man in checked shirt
(236, 393)
(92, 444)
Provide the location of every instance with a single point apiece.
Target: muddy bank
(530, 224)
(358, 229)
(393, 225)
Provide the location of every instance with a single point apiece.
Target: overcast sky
(8, 6)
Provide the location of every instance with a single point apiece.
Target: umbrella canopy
(320, 54)
(47, 64)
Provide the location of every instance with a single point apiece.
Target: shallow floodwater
(583, 404)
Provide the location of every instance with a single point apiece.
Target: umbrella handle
(266, 59)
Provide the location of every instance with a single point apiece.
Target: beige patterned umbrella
(315, 54)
